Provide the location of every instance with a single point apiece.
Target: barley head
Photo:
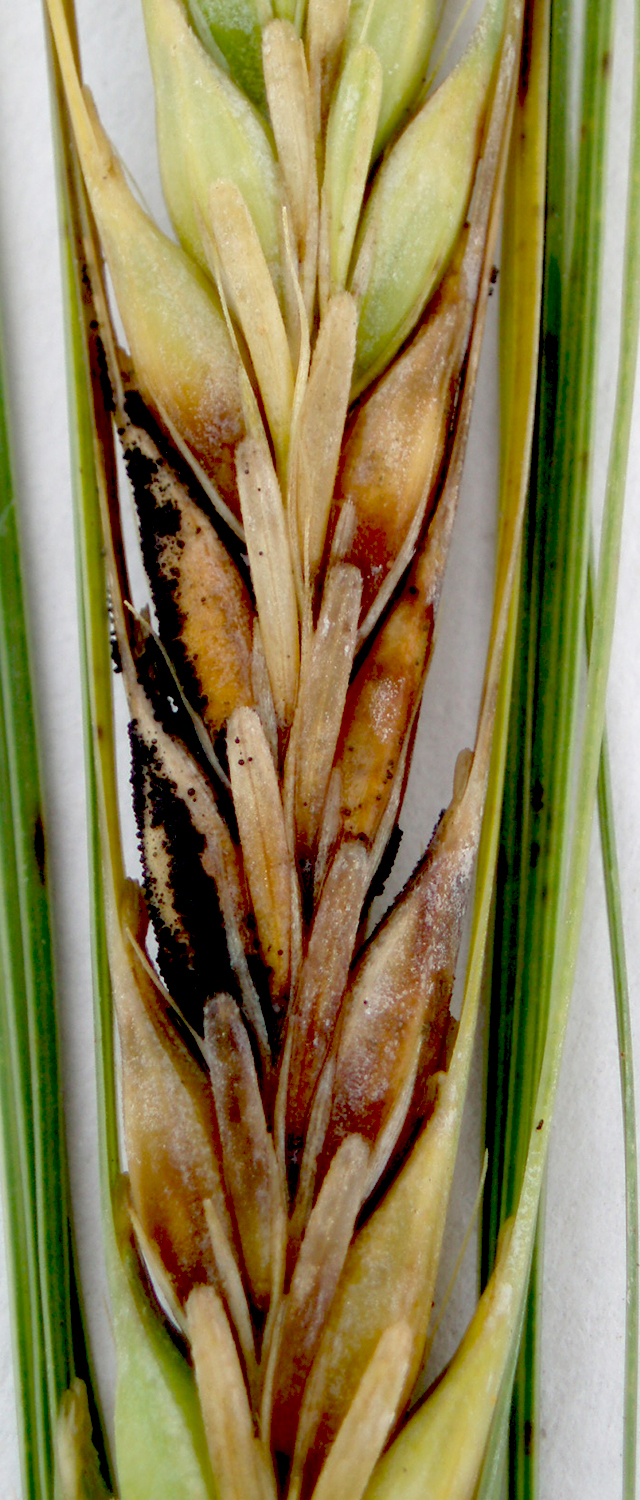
(293, 409)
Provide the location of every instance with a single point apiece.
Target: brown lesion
(381, 704)
(397, 437)
(40, 847)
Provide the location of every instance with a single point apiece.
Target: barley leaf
(49, 1340)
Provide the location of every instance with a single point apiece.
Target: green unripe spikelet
(233, 32)
(402, 33)
(419, 201)
(350, 136)
(182, 354)
(207, 129)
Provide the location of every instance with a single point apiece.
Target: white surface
(584, 1295)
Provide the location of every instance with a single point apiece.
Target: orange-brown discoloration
(212, 433)
(381, 703)
(217, 618)
(396, 442)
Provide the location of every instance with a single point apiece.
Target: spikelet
(418, 204)
(402, 36)
(290, 1105)
(207, 131)
(232, 34)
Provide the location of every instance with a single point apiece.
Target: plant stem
(538, 811)
(611, 872)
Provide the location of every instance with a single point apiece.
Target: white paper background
(584, 1282)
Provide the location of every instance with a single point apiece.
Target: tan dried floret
(171, 1172)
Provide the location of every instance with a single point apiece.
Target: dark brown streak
(525, 56)
(39, 847)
